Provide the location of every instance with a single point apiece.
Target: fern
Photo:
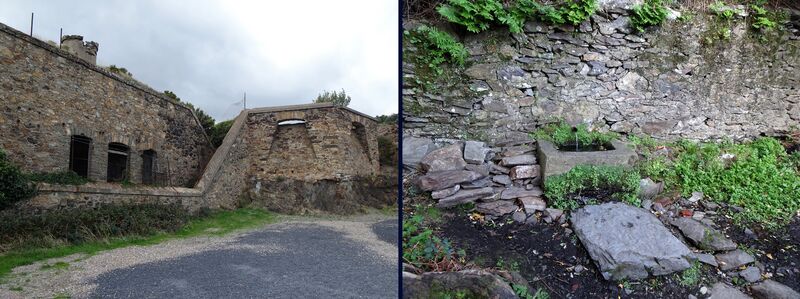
(650, 13)
(475, 15)
(437, 47)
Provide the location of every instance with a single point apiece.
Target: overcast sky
(210, 52)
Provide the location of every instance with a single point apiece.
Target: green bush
(75, 226)
(14, 185)
(760, 177)
(562, 133)
(61, 178)
(388, 151)
(649, 13)
(561, 190)
(436, 48)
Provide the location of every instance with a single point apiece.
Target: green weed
(562, 189)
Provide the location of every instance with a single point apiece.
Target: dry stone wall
(47, 95)
(682, 80)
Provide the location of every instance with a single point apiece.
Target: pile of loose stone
(499, 180)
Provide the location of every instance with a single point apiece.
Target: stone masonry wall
(681, 80)
(47, 95)
(326, 146)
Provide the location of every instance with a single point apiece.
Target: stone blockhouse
(60, 112)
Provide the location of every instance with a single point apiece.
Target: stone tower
(76, 46)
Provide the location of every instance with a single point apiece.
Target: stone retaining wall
(681, 80)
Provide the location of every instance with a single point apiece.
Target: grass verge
(218, 223)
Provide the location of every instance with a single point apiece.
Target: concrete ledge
(555, 162)
(54, 197)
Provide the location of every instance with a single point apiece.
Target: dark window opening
(117, 162)
(79, 155)
(149, 167)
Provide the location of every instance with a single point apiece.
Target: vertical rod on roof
(31, 24)
(245, 100)
(60, 36)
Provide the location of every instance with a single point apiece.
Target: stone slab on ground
(478, 283)
(628, 242)
(770, 289)
(721, 290)
(733, 259)
(445, 179)
(496, 208)
(446, 158)
(702, 236)
(516, 192)
(464, 196)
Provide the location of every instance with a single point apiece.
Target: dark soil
(546, 255)
(778, 251)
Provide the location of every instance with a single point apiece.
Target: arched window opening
(117, 162)
(149, 167)
(291, 122)
(79, 155)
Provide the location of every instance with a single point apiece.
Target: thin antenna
(245, 101)
(31, 24)
(60, 36)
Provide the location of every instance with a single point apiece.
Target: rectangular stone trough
(553, 161)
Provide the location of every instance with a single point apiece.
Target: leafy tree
(205, 120)
(338, 98)
(387, 119)
(219, 131)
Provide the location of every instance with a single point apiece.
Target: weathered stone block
(555, 162)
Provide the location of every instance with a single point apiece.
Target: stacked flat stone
(501, 180)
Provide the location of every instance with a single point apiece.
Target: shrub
(563, 190)
(562, 133)
(14, 185)
(75, 226)
(338, 98)
(436, 48)
(61, 178)
(723, 11)
(388, 151)
(649, 13)
(218, 132)
(763, 19)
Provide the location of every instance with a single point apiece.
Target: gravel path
(297, 258)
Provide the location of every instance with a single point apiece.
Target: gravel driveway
(298, 258)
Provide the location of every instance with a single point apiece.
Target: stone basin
(553, 161)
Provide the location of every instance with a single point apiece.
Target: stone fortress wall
(681, 80)
(48, 95)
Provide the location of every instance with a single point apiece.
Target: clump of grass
(61, 178)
